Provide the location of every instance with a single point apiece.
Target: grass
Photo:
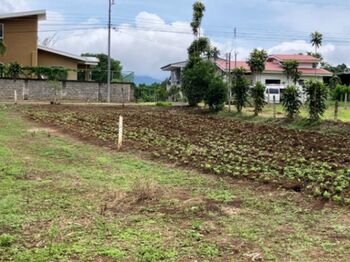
(248, 112)
(63, 200)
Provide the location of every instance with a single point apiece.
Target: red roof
(269, 67)
(299, 58)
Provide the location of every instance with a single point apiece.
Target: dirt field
(302, 161)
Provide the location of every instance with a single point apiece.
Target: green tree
(100, 72)
(240, 88)
(291, 101)
(290, 69)
(334, 81)
(14, 70)
(216, 95)
(3, 48)
(198, 13)
(151, 93)
(196, 79)
(256, 61)
(258, 96)
(317, 95)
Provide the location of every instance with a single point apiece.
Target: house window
(272, 81)
(1, 32)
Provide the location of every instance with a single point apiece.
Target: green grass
(63, 200)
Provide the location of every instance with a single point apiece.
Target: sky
(148, 34)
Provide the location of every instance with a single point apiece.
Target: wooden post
(274, 106)
(15, 96)
(268, 96)
(120, 133)
(346, 100)
(336, 110)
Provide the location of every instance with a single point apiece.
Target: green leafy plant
(258, 96)
(256, 61)
(290, 69)
(317, 95)
(216, 95)
(6, 240)
(14, 70)
(240, 89)
(291, 102)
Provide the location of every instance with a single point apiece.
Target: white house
(273, 76)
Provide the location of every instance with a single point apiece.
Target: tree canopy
(100, 72)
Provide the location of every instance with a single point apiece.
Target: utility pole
(111, 2)
(236, 52)
(229, 82)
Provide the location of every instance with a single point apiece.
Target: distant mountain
(145, 80)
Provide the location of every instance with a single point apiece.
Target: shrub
(316, 99)
(258, 96)
(14, 70)
(240, 89)
(338, 93)
(291, 102)
(216, 95)
(6, 240)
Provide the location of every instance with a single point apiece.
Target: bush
(240, 89)
(196, 78)
(6, 240)
(291, 102)
(258, 96)
(216, 95)
(151, 93)
(316, 99)
(338, 93)
(14, 70)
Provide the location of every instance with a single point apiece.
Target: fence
(43, 90)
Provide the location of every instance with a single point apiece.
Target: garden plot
(300, 160)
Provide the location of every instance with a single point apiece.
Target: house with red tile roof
(273, 76)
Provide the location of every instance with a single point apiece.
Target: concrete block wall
(42, 90)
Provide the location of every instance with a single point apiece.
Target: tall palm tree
(198, 13)
(316, 41)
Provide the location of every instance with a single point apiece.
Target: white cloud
(300, 46)
(142, 48)
(13, 6)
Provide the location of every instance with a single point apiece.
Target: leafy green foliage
(216, 95)
(199, 46)
(196, 79)
(291, 102)
(100, 72)
(339, 92)
(258, 96)
(198, 13)
(317, 94)
(3, 48)
(151, 93)
(14, 70)
(164, 104)
(240, 89)
(290, 68)
(175, 93)
(256, 61)
(6, 240)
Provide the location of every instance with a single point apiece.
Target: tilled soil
(300, 160)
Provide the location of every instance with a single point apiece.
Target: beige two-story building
(19, 33)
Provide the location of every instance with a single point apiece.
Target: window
(272, 82)
(273, 91)
(1, 32)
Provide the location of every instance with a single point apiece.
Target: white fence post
(120, 133)
(15, 96)
(274, 106)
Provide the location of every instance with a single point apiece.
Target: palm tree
(290, 68)
(316, 41)
(256, 61)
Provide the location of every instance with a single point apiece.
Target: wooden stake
(346, 100)
(120, 133)
(15, 96)
(336, 110)
(274, 106)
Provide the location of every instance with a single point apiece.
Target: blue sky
(152, 33)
